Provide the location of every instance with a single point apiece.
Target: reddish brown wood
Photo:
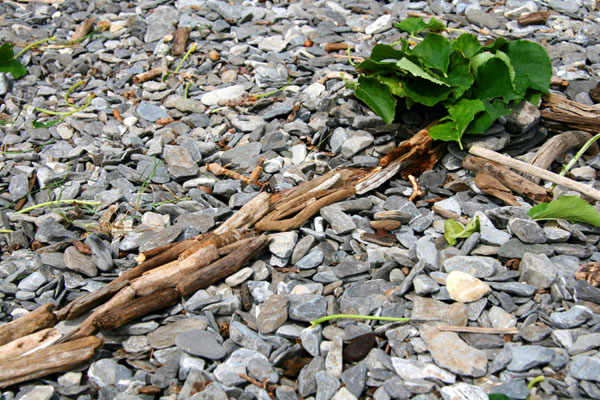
(40, 318)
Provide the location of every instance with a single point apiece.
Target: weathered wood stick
(83, 28)
(180, 40)
(57, 358)
(420, 139)
(478, 329)
(538, 17)
(329, 47)
(82, 304)
(508, 178)
(146, 76)
(222, 268)
(250, 212)
(230, 248)
(145, 255)
(26, 343)
(494, 187)
(557, 145)
(138, 307)
(535, 171)
(158, 279)
(40, 318)
(449, 214)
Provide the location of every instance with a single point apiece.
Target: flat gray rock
(200, 343)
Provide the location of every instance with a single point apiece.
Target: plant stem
(535, 381)
(69, 92)
(56, 202)
(356, 316)
(185, 92)
(350, 58)
(187, 54)
(260, 96)
(583, 149)
(6, 231)
(34, 44)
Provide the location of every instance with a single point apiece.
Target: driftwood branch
(30, 342)
(494, 187)
(535, 171)
(57, 358)
(40, 318)
(180, 40)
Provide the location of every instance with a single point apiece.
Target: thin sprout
(34, 44)
(56, 202)
(69, 92)
(356, 316)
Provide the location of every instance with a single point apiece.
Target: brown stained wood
(442, 212)
(589, 272)
(83, 29)
(508, 178)
(56, 358)
(29, 342)
(492, 186)
(158, 279)
(330, 47)
(82, 304)
(230, 248)
(557, 145)
(562, 105)
(250, 212)
(40, 318)
(305, 206)
(424, 162)
(419, 144)
(477, 329)
(222, 268)
(180, 40)
(589, 124)
(146, 76)
(219, 241)
(534, 18)
(535, 171)
(133, 309)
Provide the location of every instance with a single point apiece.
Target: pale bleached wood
(535, 171)
(56, 358)
(32, 341)
(40, 318)
(247, 216)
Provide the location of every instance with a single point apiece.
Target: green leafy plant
(455, 230)
(571, 208)
(9, 61)
(475, 83)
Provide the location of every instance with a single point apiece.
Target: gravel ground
(139, 152)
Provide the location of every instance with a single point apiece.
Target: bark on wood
(57, 358)
(138, 307)
(26, 343)
(83, 28)
(250, 212)
(222, 268)
(169, 277)
(583, 123)
(180, 40)
(492, 186)
(419, 143)
(535, 171)
(146, 76)
(538, 17)
(86, 302)
(508, 179)
(40, 318)
(557, 145)
(330, 47)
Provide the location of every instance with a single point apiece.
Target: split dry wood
(83, 29)
(492, 186)
(572, 113)
(535, 171)
(57, 358)
(507, 178)
(557, 145)
(40, 318)
(180, 40)
(30, 342)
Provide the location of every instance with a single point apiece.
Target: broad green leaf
(417, 71)
(446, 131)
(48, 124)
(467, 44)
(435, 51)
(485, 119)
(414, 25)
(511, 71)
(8, 62)
(377, 96)
(464, 112)
(454, 230)
(382, 52)
(478, 60)
(532, 65)
(377, 66)
(495, 45)
(571, 208)
(395, 85)
(459, 75)
(426, 92)
(498, 396)
(493, 81)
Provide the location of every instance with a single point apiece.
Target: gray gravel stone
(200, 343)
(572, 318)
(537, 270)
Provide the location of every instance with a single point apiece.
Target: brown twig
(416, 189)
(146, 76)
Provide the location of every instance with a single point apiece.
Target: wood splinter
(251, 180)
(416, 189)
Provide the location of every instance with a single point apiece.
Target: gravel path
(138, 154)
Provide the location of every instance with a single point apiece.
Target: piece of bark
(442, 212)
(492, 186)
(146, 76)
(538, 17)
(562, 105)
(57, 358)
(230, 248)
(138, 307)
(535, 171)
(589, 124)
(158, 279)
(589, 272)
(84, 303)
(424, 162)
(29, 342)
(507, 179)
(83, 29)
(40, 318)
(221, 268)
(557, 145)
(419, 144)
(180, 40)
